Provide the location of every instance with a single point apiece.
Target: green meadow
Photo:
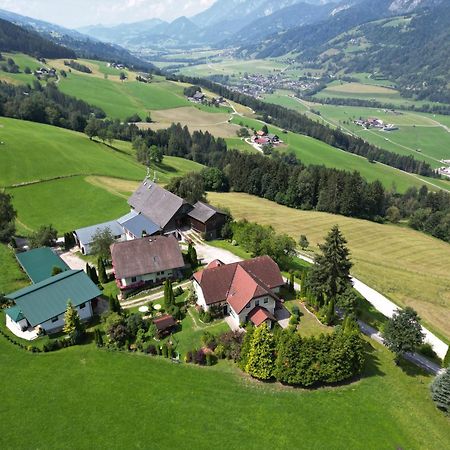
(118, 400)
(311, 151)
(63, 178)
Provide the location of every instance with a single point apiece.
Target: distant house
(246, 291)
(39, 263)
(44, 304)
(273, 138)
(199, 97)
(166, 210)
(146, 261)
(84, 236)
(207, 219)
(260, 133)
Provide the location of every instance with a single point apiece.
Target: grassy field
(11, 276)
(84, 182)
(311, 151)
(195, 119)
(406, 266)
(33, 152)
(144, 401)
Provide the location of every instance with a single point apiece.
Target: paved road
(388, 308)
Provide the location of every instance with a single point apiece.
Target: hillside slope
(16, 39)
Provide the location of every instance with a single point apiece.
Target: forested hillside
(16, 39)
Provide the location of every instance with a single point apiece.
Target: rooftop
(164, 322)
(156, 203)
(146, 255)
(39, 263)
(137, 224)
(203, 212)
(42, 301)
(85, 235)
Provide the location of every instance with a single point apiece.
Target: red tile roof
(239, 283)
(259, 315)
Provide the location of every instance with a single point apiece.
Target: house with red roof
(246, 291)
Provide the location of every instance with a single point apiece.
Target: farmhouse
(146, 261)
(42, 305)
(207, 219)
(136, 225)
(166, 210)
(246, 291)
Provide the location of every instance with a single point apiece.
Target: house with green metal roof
(39, 263)
(43, 305)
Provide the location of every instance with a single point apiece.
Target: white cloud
(76, 13)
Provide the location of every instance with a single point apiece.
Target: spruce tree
(103, 277)
(447, 359)
(291, 282)
(261, 357)
(94, 276)
(330, 275)
(329, 318)
(169, 297)
(440, 391)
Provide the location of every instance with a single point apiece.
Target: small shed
(165, 324)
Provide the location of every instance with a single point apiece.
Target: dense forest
(299, 123)
(16, 39)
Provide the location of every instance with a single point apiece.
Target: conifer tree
(72, 323)
(440, 391)
(103, 277)
(447, 359)
(330, 274)
(291, 282)
(93, 275)
(330, 312)
(303, 289)
(261, 357)
(169, 297)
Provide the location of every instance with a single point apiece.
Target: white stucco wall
(150, 277)
(200, 297)
(266, 302)
(22, 324)
(84, 313)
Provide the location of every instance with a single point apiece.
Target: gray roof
(85, 235)
(145, 256)
(155, 202)
(42, 301)
(137, 224)
(203, 212)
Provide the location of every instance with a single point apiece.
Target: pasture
(387, 403)
(195, 119)
(409, 267)
(11, 275)
(312, 151)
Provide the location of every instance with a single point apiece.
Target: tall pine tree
(330, 275)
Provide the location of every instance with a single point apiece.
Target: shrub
(220, 351)
(178, 291)
(150, 350)
(189, 357)
(200, 357)
(210, 359)
(427, 350)
(165, 350)
(294, 320)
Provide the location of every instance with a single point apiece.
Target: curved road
(388, 308)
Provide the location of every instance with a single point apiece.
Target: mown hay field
(409, 267)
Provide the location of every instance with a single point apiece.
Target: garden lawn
(407, 266)
(118, 400)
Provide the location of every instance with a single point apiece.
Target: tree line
(45, 104)
(299, 123)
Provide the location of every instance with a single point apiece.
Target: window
(133, 279)
(82, 306)
(248, 305)
(257, 303)
(266, 300)
(54, 319)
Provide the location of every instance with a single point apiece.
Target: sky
(79, 13)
